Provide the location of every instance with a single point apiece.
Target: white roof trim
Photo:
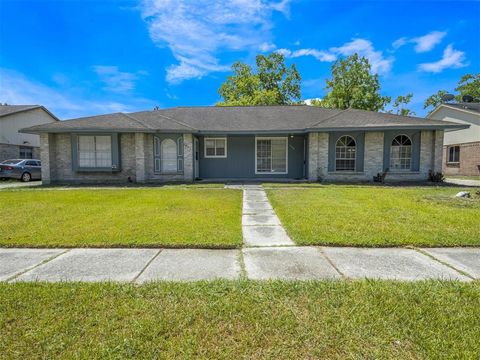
(452, 108)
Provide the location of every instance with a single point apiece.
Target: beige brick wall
(373, 161)
(469, 160)
(62, 171)
(317, 156)
(430, 158)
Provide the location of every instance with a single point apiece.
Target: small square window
(215, 147)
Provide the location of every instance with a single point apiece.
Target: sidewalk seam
(53, 257)
(461, 272)
(146, 266)
(320, 249)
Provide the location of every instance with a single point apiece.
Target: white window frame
(286, 154)
(448, 154)
(410, 159)
(354, 159)
(95, 152)
(214, 139)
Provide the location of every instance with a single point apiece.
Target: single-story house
(241, 143)
(461, 148)
(15, 145)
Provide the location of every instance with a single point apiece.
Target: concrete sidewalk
(257, 263)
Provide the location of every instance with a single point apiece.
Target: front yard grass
(378, 216)
(241, 319)
(163, 217)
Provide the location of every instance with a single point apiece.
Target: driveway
(18, 184)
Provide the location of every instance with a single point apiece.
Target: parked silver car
(21, 169)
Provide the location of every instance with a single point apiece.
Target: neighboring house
(461, 148)
(241, 143)
(15, 145)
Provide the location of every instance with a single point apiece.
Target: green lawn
(231, 320)
(378, 216)
(171, 217)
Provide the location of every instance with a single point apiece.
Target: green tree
(353, 86)
(273, 83)
(469, 84)
(400, 103)
(435, 99)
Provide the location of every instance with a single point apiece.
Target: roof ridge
(177, 121)
(138, 121)
(24, 108)
(328, 118)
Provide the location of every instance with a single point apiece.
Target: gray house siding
(240, 160)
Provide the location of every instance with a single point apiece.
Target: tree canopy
(273, 83)
(353, 86)
(469, 84)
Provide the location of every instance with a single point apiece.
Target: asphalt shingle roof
(13, 109)
(241, 119)
(474, 107)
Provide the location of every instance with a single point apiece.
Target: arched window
(168, 151)
(345, 154)
(401, 153)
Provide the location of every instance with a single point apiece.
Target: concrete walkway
(463, 182)
(260, 224)
(258, 263)
(269, 253)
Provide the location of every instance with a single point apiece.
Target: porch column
(437, 151)
(317, 156)
(47, 152)
(140, 157)
(188, 157)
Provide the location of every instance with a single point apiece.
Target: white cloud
(362, 47)
(309, 101)
(266, 47)
(320, 55)
(365, 48)
(399, 42)
(451, 59)
(16, 88)
(195, 31)
(427, 42)
(422, 43)
(116, 80)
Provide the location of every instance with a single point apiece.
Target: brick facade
(469, 160)
(137, 160)
(431, 144)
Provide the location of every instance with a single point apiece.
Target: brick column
(317, 156)
(187, 157)
(140, 158)
(47, 142)
(373, 160)
(438, 151)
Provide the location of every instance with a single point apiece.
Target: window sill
(168, 173)
(97, 170)
(346, 173)
(402, 172)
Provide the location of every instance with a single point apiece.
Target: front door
(197, 156)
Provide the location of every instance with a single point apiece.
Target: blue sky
(89, 57)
